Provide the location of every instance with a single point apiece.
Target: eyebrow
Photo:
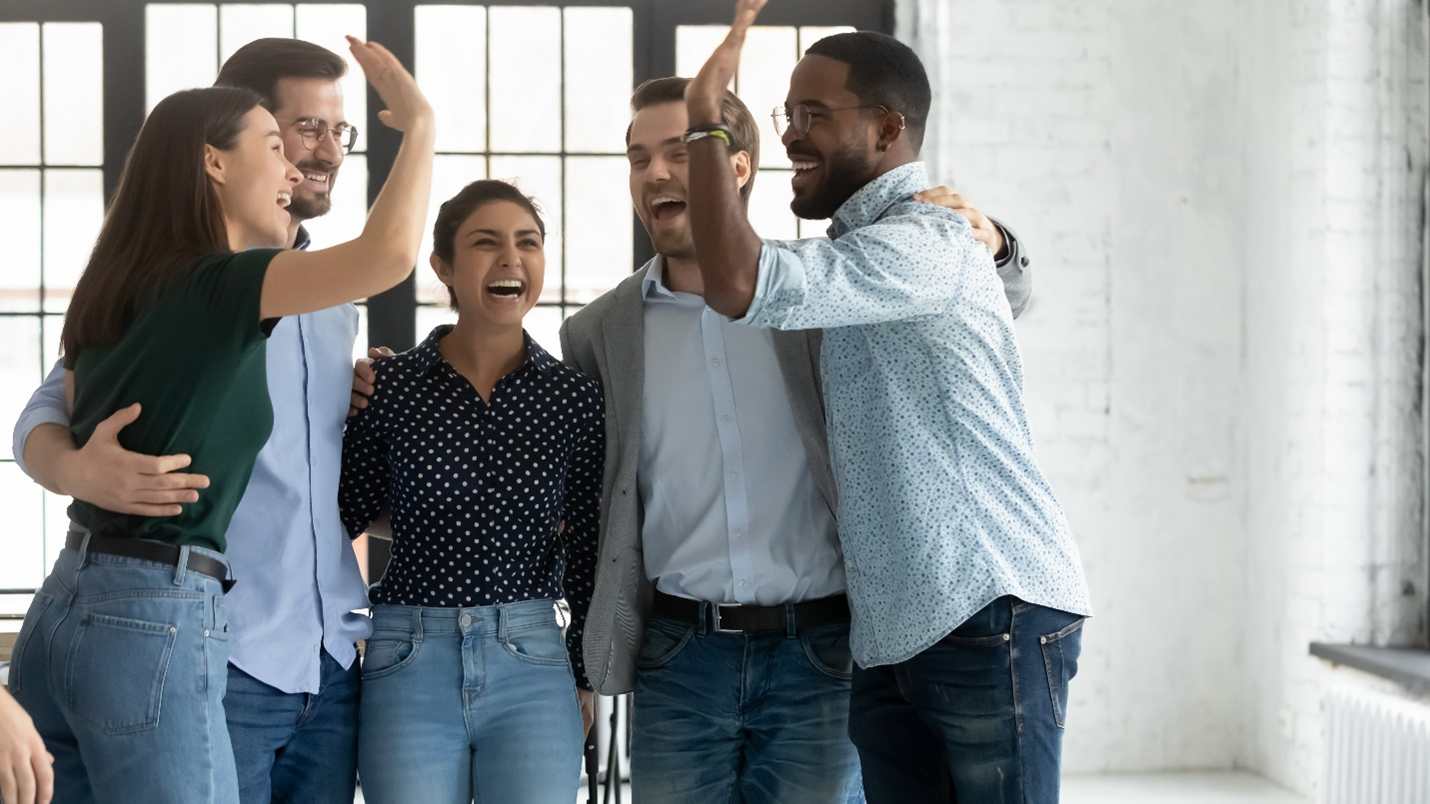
(665, 143)
(277, 134)
(495, 233)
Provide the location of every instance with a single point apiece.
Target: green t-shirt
(195, 359)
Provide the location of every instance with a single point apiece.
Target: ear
(891, 130)
(214, 164)
(441, 269)
(740, 162)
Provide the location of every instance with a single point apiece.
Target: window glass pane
(19, 369)
(525, 79)
(769, 206)
(451, 67)
(326, 25)
(539, 177)
(598, 229)
(241, 23)
(819, 228)
(809, 34)
(763, 82)
(449, 175)
(694, 44)
(74, 94)
(24, 564)
(598, 79)
(20, 94)
(181, 49)
(543, 324)
(74, 209)
(20, 232)
(345, 220)
(429, 318)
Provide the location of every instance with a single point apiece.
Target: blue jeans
(742, 718)
(977, 718)
(469, 704)
(295, 747)
(122, 664)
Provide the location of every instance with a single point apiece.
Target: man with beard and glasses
(720, 590)
(966, 587)
(292, 700)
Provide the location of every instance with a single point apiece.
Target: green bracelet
(719, 132)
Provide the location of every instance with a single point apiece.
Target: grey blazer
(606, 339)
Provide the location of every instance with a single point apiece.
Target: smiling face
(309, 99)
(839, 152)
(498, 263)
(254, 183)
(660, 172)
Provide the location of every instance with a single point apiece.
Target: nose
(788, 136)
(291, 173)
(658, 170)
(330, 150)
(511, 255)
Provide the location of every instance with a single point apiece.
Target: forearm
(48, 453)
(725, 244)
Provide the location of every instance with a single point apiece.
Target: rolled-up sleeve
(46, 406)
(903, 267)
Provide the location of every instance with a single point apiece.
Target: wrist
(703, 112)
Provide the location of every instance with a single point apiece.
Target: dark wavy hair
(469, 199)
(165, 213)
(262, 63)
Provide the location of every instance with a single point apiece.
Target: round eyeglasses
(801, 117)
(314, 131)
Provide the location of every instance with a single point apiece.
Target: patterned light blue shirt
(942, 508)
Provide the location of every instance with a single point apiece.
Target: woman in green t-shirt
(122, 660)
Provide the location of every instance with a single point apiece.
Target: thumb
(117, 421)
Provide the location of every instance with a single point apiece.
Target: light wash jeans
(468, 704)
(122, 663)
(729, 718)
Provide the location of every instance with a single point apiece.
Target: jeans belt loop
(706, 620)
(182, 567)
(416, 624)
(501, 623)
(789, 621)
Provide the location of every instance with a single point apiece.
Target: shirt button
(739, 534)
(316, 648)
(743, 583)
(726, 417)
(715, 362)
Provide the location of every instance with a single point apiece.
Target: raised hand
(406, 106)
(702, 96)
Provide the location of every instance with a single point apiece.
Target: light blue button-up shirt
(942, 508)
(298, 579)
(732, 514)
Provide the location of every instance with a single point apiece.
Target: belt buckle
(715, 624)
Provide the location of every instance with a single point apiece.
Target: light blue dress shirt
(942, 508)
(732, 513)
(299, 587)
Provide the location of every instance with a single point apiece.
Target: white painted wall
(1222, 201)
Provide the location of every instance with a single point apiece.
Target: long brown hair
(165, 213)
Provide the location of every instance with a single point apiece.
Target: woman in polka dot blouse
(488, 453)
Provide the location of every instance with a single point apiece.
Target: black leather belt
(748, 619)
(158, 552)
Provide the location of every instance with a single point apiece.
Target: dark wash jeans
(977, 718)
(295, 748)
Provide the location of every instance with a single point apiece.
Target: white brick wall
(1222, 200)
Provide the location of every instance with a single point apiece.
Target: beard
(310, 207)
(673, 243)
(845, 172)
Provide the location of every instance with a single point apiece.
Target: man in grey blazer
(720, 585)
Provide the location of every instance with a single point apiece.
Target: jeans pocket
(662, 641)
(38, 605)
(827, 648)
(386, 653)
(1060, 655)
(537, 644)
(116, 672)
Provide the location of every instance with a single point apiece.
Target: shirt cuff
(29, 420)
(780, 281)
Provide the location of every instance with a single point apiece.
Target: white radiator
(1377, 748)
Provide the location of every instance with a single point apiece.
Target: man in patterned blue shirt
(966, 588)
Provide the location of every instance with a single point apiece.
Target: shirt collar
(428, 354)
(302, 241)
(654, 281)
(872, 200)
